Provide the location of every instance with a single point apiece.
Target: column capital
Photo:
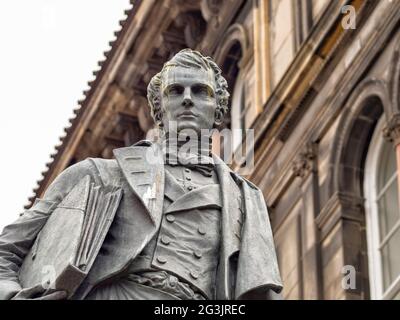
(391, 132)
(303, 164)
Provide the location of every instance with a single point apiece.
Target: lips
(187, 114)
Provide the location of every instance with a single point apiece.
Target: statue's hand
(36, 293)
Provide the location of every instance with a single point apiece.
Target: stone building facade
(318, 81)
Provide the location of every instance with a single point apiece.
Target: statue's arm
(18, 237)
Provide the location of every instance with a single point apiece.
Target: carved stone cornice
(210, 10)
(174, 39)
(303, 164)
(193, 25)
(391, 132)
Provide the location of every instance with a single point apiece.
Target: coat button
(187, 170)
(161, 260)
(165, 240)
(194, 274)
(201, 230)
(190, 188)
(173, 281)
(188, 178)
(197, 254)
(170, 218)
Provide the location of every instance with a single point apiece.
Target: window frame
(372, 218)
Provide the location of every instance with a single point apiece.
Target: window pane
(387, 165)
(243, 111)
(391, 260)
(397, 296)
(388, 209)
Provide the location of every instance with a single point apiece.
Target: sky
(48, 51)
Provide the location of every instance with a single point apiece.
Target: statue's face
(188, 99)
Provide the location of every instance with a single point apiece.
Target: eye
(200, 89)
(174, 90)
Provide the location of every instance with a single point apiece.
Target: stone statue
(187, 227)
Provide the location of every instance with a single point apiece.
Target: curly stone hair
(189, 58)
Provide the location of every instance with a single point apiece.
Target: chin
(188, 125)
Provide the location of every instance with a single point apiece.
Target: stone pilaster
(304, 167)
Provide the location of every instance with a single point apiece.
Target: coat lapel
(231, 228)
(204, 197)
(245, 227)
(257, 268)
(172, 189)
(143, 169)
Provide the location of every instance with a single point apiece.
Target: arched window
(236, 119)
(238, 111)
(383, 217)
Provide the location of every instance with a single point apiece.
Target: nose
(187, 98)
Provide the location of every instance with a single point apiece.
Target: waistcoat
(187, 244)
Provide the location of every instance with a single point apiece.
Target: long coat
(247, 265)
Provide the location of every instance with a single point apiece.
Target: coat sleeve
(18, 237)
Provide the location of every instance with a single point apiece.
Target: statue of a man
(187, 227)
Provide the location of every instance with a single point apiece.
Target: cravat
(190, 154)
(203, 164)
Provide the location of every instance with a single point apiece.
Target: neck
(180, 142)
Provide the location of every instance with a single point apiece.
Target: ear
(159, 117)
(159, 122)
(219, 116)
